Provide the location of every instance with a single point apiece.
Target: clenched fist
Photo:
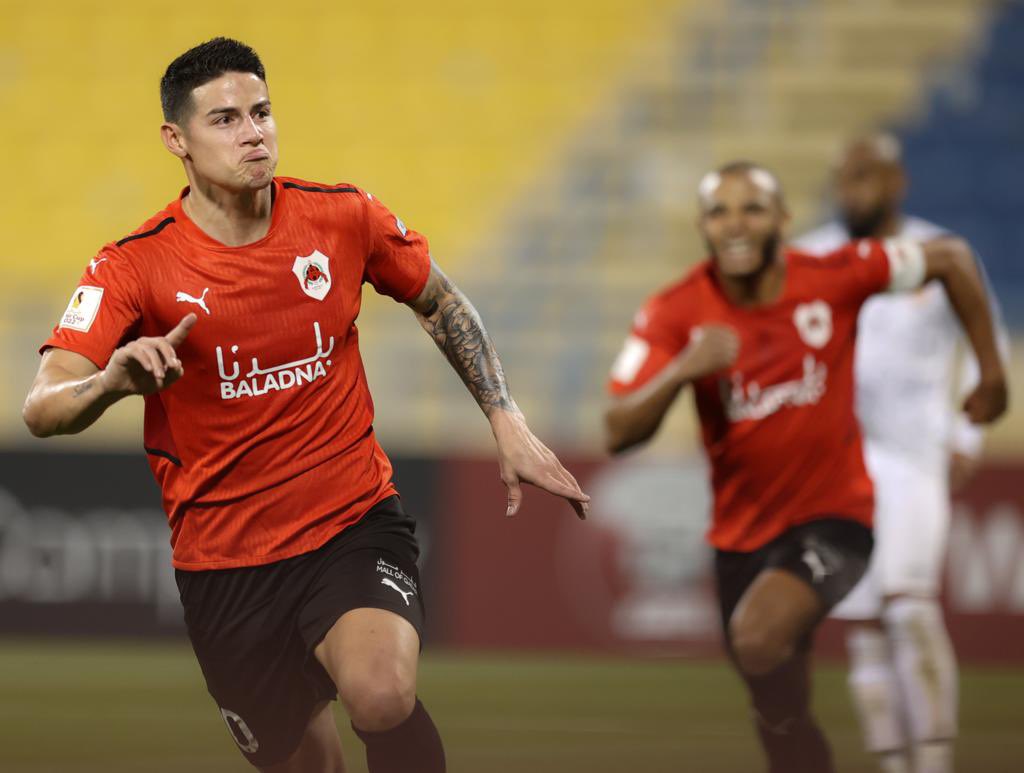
(712, 348)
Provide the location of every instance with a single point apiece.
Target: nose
(252, 134)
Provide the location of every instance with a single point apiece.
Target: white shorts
(912, 512)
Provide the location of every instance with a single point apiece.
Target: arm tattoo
(82, 388)
(457, 330)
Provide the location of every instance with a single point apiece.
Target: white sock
(926, 669)
(876, 696)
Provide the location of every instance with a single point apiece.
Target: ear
(174, 139)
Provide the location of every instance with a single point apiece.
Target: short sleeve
(656, 337)
(398, 263)
(102, 310)
(863, 270)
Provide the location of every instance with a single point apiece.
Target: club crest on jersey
(813, 322)
(314, 274)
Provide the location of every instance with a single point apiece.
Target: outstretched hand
(522, 458)
(147, 365)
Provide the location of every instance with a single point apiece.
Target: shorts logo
(391, 584)
(240, 731)
(820, 558)
(82, 308)
(314, 274)
(392, 576)
(813, 322)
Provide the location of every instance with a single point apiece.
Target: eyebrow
(256, 106)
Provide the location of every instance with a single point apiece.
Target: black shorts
(254, 629)
(830, 555)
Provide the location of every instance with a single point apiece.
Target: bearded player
(765, 336)
(295, 559)
(903, 674)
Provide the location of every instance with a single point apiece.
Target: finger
(177, 336)
(567, 478)
(515, 497)
(159, 370)
(553, 485)
(137, 354)
(170, 358)
(581, 508)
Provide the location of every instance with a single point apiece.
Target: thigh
(830, 556)
(371, 650)
(373, 568)
(912, 518)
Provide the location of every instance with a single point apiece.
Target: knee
(379, 703)
(756, 650)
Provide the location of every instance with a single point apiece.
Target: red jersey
(264, 449)
(778, 426)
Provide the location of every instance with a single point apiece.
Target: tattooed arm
(450, 319)
(69, 392)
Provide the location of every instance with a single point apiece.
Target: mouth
(256, 155)
(737, 249)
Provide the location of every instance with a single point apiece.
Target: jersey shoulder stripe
(320, 188)
(144, 234)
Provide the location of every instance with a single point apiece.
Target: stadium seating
(782, 82)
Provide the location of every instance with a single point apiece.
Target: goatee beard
(866, 226)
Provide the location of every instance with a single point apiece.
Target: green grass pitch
(69, 707)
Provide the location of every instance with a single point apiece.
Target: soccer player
(233, 312)
(903, 673)
(765, 336)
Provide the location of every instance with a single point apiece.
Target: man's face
(868, 191)
(741, 220)
(230, 135)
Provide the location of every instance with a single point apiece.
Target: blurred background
(550, 151)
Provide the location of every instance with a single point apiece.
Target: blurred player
(295, 560)
(766, 338)
(903, 673)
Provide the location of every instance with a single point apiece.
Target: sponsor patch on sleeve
(631, 358)
(82, 308)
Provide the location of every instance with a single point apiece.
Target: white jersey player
(903, 673)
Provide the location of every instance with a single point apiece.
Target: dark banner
(636, 576)
(84, 544)
(84, 550)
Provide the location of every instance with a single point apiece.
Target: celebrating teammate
(766, 338)
(902, 666)
(295, 560)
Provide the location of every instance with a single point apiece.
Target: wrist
(504, 419)
(105, 390)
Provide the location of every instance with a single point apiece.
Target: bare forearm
(634, 418)
(952, 264)
(66, 405)
(459, 333)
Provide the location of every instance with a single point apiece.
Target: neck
(232, 218)
(763, 286)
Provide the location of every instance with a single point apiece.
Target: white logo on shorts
(390, 584)
(815, 564)
(240, 731)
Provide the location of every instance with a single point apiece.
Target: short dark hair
(200, 65)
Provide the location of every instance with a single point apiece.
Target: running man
(232, 311)
(766, 338)
(903, 674)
